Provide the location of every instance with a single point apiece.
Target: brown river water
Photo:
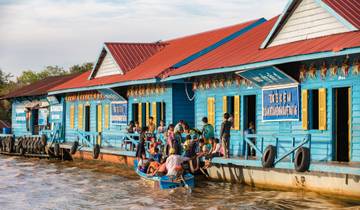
(45, 184)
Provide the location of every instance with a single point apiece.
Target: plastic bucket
(6, 130)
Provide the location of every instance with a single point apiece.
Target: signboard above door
(267, 77)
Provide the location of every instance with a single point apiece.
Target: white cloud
(37, 33)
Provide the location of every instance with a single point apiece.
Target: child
(161, 170)
(137, 128)
(157, 156)
(170, 138)
(151, 125)
(162, 128)
(140, 148)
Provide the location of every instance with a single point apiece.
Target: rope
(187, 93)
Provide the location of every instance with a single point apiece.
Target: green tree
(5, 86)
(81, 68)
(28, 77)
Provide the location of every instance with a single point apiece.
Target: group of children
(173, 147)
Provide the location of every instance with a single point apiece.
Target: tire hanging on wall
(11, 144)
(96, 151)
(302, 159)
(268, 157)
(74, 148)
(57, 149)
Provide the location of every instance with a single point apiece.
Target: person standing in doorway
(251, 130)
(225, 134)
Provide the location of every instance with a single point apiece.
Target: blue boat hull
(166, 182)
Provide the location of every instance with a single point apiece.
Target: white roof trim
(98, 64)
(286, 13)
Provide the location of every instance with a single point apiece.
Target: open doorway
(342, 124)
(87, 118)
(35, 121)
(250, 119)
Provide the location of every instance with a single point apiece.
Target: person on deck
(170, 136)
(162, 128)
(225, 134)
(151, 125)
(173, 163)
(180, 126)
(137, 128)
(140, 148)
(130, 128)
(207, 131)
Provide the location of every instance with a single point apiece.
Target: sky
(38, 33)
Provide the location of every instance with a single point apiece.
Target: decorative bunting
(333, 69)
(345, 67)
(312, 71)
(356, 68)
(146, 90)
(302, 72)
(323, 70)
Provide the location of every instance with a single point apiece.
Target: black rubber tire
(302, 159)
(74, 148)
(11, 144)
(21, 150)
(96, 151)
(57, 149)
(268, 158)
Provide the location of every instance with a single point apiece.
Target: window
(106, 116)
(314, 109)
(80, 116)
(211, 110)
(72, 116)
(141, 112)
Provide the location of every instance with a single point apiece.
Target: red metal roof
(246, 49)
(130, 55)
(348, 9)
(41, 87)
(174, 51)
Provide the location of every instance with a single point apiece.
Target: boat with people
(166, 182)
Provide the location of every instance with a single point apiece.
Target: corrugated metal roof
(348, 9)
(246, 49)
(130, 55)
(175, 51)
(41, 87)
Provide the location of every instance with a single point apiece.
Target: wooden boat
(166, 182)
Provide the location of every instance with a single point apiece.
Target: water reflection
(43, 184)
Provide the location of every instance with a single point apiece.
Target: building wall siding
(183, 108)
(309, 20)
(322, 142)
(108, 67)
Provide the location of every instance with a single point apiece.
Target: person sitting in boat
(157, 155)
(153, 166)
(144, 165)
(173, 163)
(161, 170)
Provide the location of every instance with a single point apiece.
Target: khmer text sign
(281, 104)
